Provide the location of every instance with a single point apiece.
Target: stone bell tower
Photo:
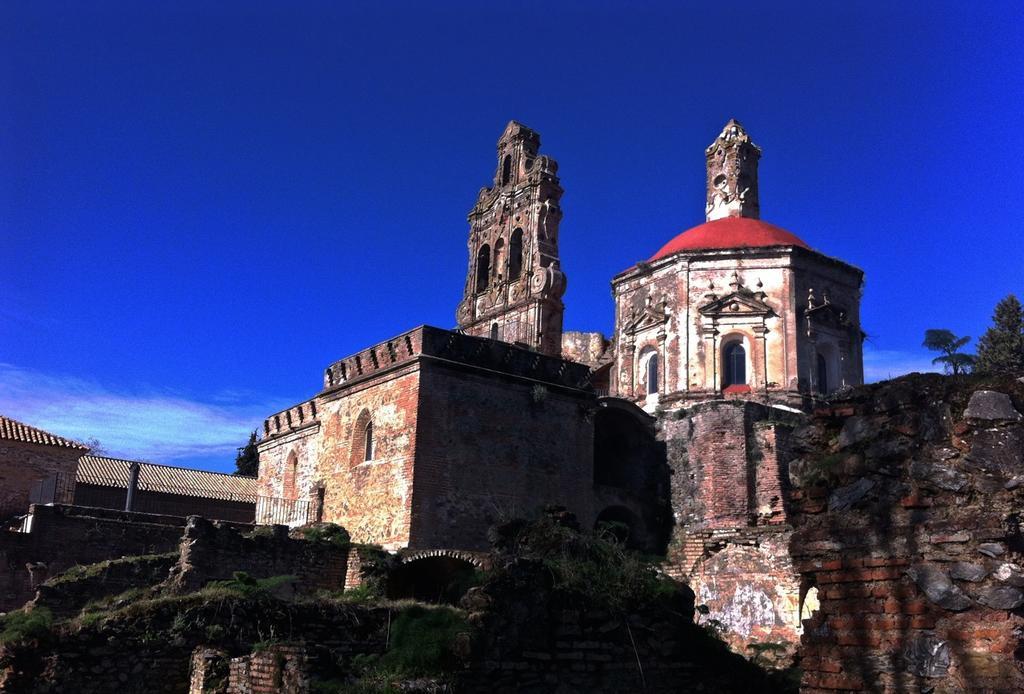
(732, 174)
(514, 284)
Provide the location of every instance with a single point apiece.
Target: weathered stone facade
(407, 453)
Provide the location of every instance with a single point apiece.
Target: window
(822, 374)
(494, 331)
(291, 469)
(368, 442)
(515, 255)
(362, 447)
(735, 364)
(483, 267)
(652, 375)
(506, 169)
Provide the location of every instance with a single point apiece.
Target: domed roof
(729, 232)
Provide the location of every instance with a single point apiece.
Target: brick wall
(372, 499)
(23, 464)
(280, 669)
(728, 464)
(731, 539)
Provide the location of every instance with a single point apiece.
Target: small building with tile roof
(102, 482)
(30, 456)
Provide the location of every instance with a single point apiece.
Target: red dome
(730, 232)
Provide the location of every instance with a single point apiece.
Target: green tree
(1001, 348)
(247, 462)
(952, 359)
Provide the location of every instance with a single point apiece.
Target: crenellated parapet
(455, 347)
(372, 360)
(294, 418)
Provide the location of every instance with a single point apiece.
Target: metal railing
(276, 511)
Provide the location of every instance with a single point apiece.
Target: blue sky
(203, 204)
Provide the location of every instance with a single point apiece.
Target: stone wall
(153, 649)
(67, 593)
(24, 464)
(909, 529)
(59, 537)
(213, 551)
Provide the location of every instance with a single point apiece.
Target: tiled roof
(13, 430)
(114, 472)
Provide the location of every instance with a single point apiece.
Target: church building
(736, 307)
(427, 439)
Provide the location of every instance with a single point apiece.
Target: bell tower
(732, 174)
(514, 284)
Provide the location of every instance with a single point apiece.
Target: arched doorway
(432, 579)
(620, 523)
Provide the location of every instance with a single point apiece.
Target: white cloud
(152, 425)
(882, 364)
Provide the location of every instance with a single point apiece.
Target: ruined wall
(23, 464)
(62, 536)
(279, 669)
(492, 448)
(66, 593)
(730, 540)
(592, 349)
(909, 526)
(152, 649)
(728, 461)
(212, 551)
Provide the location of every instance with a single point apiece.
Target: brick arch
(477, 559)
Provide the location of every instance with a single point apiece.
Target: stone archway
(438, 576)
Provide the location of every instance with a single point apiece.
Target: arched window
(734, 366)
(652, 374)
(368, 442)
(515, 255)
(494, 331)
(498, 261)
(363, 446)
(291, 469)
(483, 267)
(822, 374)
(506, 169)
